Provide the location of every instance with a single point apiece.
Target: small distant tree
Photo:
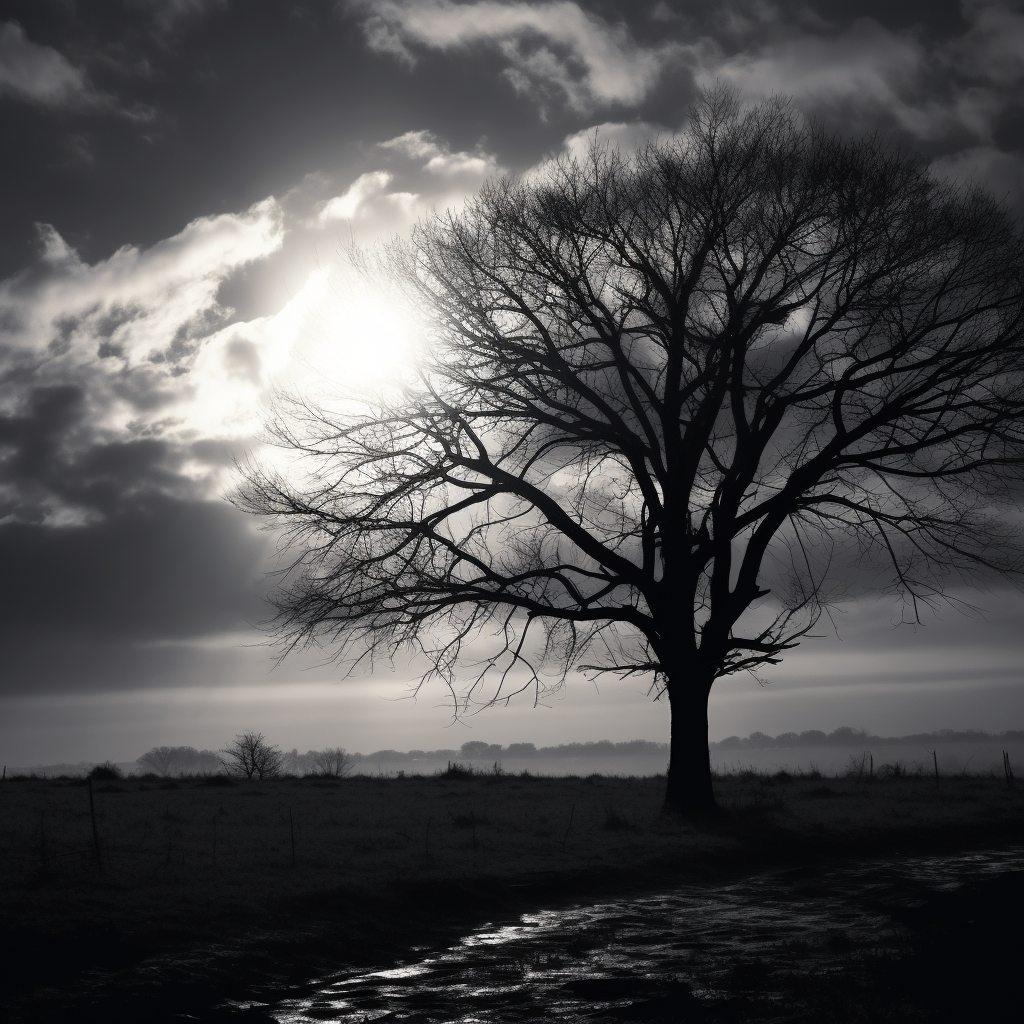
(105, 772)
(169, 761)
(332, 761)
(252, 757)
(161, 760)
(521, 750)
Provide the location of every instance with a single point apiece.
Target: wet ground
(907, 939)
(925, 938)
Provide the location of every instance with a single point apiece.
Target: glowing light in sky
(352, 338)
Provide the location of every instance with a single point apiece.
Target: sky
(179, 180)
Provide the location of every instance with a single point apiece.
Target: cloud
(120, 603)
(627, 138)
(866, 66)
(37, 73)
(169, 13)
(618, 134)
(356, 199)
(936, 89)
(433, 177)
(993, 47)
(550, 49)
(120, 390)
(1000, 172)
(164, 568)
(440, 160)
(96, 400)
(137, 306)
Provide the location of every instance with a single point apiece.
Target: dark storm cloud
(99, 606)
(46, 462)
(241, 101)
(236, 101)
(113, 536)
(109, 545)
(158, 568)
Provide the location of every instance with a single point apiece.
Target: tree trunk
(689, 790)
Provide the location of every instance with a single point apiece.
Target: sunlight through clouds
(201, 176)
(347, 338)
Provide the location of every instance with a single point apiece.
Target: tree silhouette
(250, 756)
(663, 402)
(332, 761)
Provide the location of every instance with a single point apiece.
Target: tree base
(695, 810)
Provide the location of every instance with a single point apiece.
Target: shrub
(332, 762)
(106, 772)
(896, 770)
(859, 768)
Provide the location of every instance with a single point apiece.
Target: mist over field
(969, 751)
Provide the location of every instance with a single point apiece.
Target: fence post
(95, 833)
(572, 811)
(291, 826)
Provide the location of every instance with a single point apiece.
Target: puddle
(762, 945)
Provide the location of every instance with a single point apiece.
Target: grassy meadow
(210, 859)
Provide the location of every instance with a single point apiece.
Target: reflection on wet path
(757, 946)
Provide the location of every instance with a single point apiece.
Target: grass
(174, 852)
(191, 861)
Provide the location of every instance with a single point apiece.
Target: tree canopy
(660, 398)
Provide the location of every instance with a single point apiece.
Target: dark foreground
(875, 940)
(804, 901)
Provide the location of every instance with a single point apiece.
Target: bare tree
(252, 757)
(664, 401)
(331, 761)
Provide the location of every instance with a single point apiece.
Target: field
(364, 865)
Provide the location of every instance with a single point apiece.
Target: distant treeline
(477, 750)
(848, 737)
(845, 736)
(188, 760)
